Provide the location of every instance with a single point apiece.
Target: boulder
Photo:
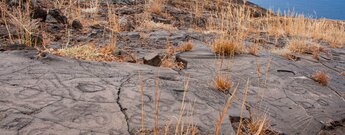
(58, 15)
(153, 59)
(77, 25)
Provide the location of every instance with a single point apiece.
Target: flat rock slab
(60, 95)
(64, 96)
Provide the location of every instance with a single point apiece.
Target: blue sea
(332, 9)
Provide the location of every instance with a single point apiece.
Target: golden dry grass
(223, 113)
(296, 25)
(170, 63)
(227, 47)
(222, 82)
(185, 46)
(255, 126)
(150, 25)
(298, 46)
(320, 77)
(25, 27)
(253, 49)
(155, 6)
(285, 52)
(88, 52)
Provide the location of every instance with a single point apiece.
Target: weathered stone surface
(153, 59)
(58, 15)
(39, 13)
(54, 94)
(295, 104)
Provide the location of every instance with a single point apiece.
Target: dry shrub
(298, 46)
(155, 6)
(292, 24)
(185, 47)
(170, 63)
(150, 25)
(302, 47)
(320, 77)
(227, 47)
(20, 17)
(285, 53)
(253, 49)
(256, 125)
(222, 82)
(88, 52)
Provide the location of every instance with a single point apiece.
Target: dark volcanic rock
(77, 25)
(128, 10)
(153, 59)
(16, 46)
(39, 13)
(57, 14)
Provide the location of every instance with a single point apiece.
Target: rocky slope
(50, 94)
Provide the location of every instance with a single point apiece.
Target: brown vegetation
(185, 46)
(320, 77)
(88, 52)
(227, 47)
(222, 82)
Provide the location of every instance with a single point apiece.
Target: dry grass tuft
(88, 52)
(253, 49)
(155, 6)
(150, 25)
(19, 16)
(298, 46)
(292, 24)
(223, 113)
(227, 47)
(170, 63)
(222, 82)
(254, 126)
(320, 77)
(185, 47)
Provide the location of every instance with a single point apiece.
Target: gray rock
(123, 1)
(128, 11)
(65, 96)
(159, 35)
(126, 23)
(153, 59)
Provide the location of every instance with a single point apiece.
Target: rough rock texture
(60, 95)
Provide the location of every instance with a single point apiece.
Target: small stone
(57, 14)
(39, 13)
(118, 52)
(126, 23)
(77, 25)
(153, 59)
(133, 35)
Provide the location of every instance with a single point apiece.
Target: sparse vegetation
(320, 77)
(185, 46)
(88, 52)
(227, 47)
(253, 49)
(222, 82)
(155, 6)
(232, 25)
